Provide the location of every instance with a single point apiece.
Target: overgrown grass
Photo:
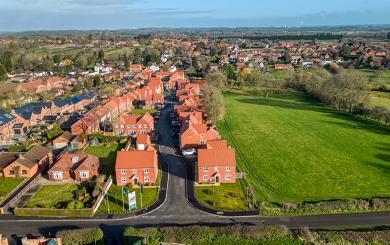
(296, 149)
(223, 197)
(7, 185)
(149, 196)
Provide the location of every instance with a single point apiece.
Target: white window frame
(228, 169)
(84, 174)
(205, 169)
(128, 126)
(146, 171)
(205, 177)
(57, 174)
(123, 171)
(227, 177)
(134, 171)
(146, 179)
(124, 180)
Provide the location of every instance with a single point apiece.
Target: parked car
(188, 152)
(175, 123)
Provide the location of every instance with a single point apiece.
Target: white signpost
(132, 200)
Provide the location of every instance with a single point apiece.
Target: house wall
(93, 173)
(212, 171)
(65, 176)
(30, 172)
(139, 175)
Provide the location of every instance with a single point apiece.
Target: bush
(326, 207)
(81, 237)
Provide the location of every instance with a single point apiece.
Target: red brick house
(80, 167)
(134, 124)
(136, 167)
(195, 135)
(216, 164)
(142, 142)
(7, 122)
(32, 162)
(63, 140)
(135, 68)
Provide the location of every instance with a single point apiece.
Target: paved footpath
(176, 210)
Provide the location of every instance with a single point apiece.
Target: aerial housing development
(133, 130)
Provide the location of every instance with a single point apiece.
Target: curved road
(176, 210)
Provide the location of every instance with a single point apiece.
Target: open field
(7, 185)
(149, 196)
(296, 149)
(106, 154)
(49, 196)
(223, 197)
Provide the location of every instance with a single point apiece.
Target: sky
(23, 15)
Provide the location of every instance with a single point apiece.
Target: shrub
(81, 237)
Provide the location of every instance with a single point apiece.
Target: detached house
(216, 163)
(32, 162)
(133, 124)
(195, 135)
(80, 167)
(136, 167)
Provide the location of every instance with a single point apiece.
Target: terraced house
(133, 124)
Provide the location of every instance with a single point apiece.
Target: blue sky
(20, 15)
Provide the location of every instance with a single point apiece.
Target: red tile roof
(135, 159)
(216, 157)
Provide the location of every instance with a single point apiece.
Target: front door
(217, 179)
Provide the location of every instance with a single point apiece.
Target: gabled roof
(143, 139)
(66, 136)
(32, 108)
(8, 157)
(216, 157)
(5, 118)
(33, 156)
(135, 159)
(216, 144)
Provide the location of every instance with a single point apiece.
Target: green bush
(81, 237)
(326, 207)
(209, 235)
(51, 212)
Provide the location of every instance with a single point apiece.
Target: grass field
(7, 185)
(223, 197)
(51, 195)
(149, 196)
(296, 149)
(106, 154)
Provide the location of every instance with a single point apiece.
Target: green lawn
(143, 111)
(223, 197)
(149, 196)
(49, 196)
(7, 185)
(296, 149)
(106, 154)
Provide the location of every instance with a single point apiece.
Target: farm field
(295, 149)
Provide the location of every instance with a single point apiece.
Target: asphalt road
(176, 210)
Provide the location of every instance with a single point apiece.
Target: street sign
(132, 200)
